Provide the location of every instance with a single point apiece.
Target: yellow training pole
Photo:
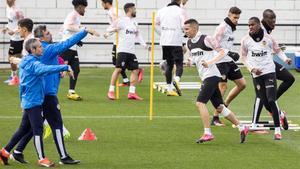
(117, 43)
(152, 67)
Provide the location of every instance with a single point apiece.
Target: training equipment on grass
(152, 68)
(267, 125)
(162, 86)
(88, 135)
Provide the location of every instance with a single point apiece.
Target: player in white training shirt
(111, 12)
(203, 51)
(170, 21)
(13, 14)
(224, 36)
(126, 59)
(72, 25)
(256, 51)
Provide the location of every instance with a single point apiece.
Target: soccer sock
(125, 80)
(13, 73)
(132, 89)
(207, 131)
(65, 131)
(241, 127)
(169, 87)
(277, 130)
(111, 88)
(46, 123)
(177, 78)
(71, 91)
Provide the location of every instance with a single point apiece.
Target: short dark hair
(255, 19)
(27, 23)
(191, 21)
(38, 31)
(79, 2)
(127, 6)
(30, 44)
(235, 10)
(269, 13)
(177, 1)
(108, 1)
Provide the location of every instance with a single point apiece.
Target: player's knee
(223, 110)
(291, 80)
(223, 86)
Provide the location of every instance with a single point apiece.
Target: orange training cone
(87, 134)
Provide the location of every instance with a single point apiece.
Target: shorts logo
(58, 106)
(223, 77)
(258, 87)
(123, 64)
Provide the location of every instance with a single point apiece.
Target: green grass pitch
(127, 139)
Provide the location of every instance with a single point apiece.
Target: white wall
(205, 11)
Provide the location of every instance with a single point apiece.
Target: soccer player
(13, 14)
(32, 97)
(108, 6)
(282, 74)
(170, 21)
(256, 51)
(126, 59)
(228, 68)
(72, 25)
(203, 51)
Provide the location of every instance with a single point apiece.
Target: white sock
(131, 89)
(65, 130)
(111, 88)
(241, 127)
(13, 73)
(126, 80)
(169, 87)
(207, 131)
(71, 91)
(277, 130)
(46, 123)
(281, 114)
(177, 78)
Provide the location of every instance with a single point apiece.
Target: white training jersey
(73, 19)
(14, 14)
(224, 38)
(259, 54)
(171, 22)
(112, 16)
(24, 52)
(202, 47)
(128, 35)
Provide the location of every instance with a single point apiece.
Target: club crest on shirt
(264, 43)
(258, 87)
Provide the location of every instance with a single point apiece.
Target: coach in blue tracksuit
(51, 106)
(32, 93)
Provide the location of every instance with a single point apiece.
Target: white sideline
(134, 117)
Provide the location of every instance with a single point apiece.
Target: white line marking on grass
(134, 117)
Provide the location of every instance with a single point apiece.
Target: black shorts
(266, 87)
(210, 91)
(127, 61)
(15, 47)
(114, 54)
(229, 70)
(70, 55)
(174, 53)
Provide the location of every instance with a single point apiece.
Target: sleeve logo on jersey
(259, 53)
(166, 29)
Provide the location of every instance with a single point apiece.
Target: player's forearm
(244, 61)
(215, 59)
